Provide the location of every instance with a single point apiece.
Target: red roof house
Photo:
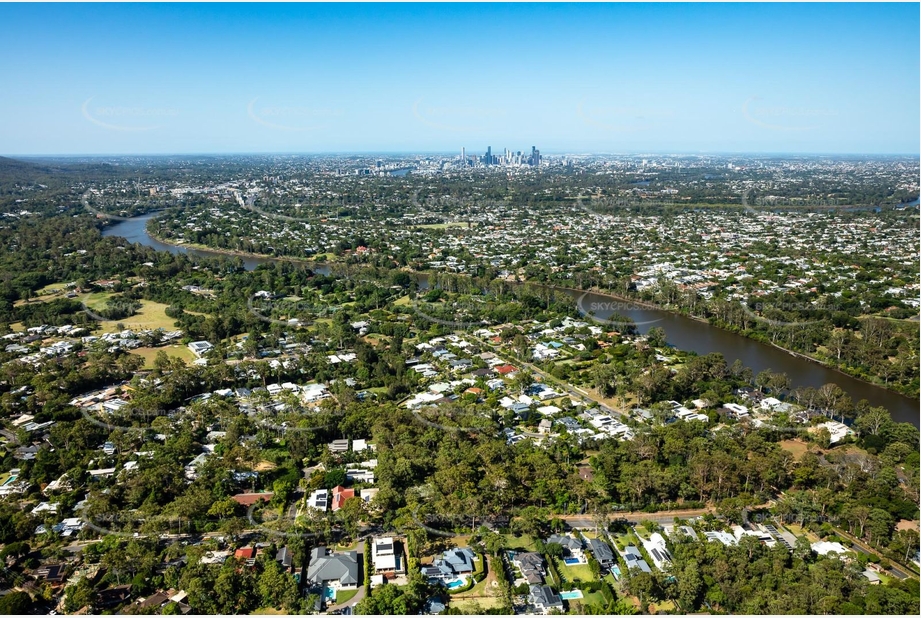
(340, 495)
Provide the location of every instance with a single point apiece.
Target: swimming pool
(571, 594)
(457, 583)
(571, 560)
(330, 594)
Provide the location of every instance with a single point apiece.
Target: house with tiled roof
(340, 495)
(335, 570)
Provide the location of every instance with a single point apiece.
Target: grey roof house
(571, 546)
(634, 559)
(543, 598)
(531, 566)
(452, 563)
(334, 570)
(602, 552)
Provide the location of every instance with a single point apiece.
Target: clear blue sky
(615, 78)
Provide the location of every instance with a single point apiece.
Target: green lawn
(664, 606)
(478, 590)
(149, 354)
(571, 572)
(593, 598)
(151, 315)
(344, 596)
(622, 540)
(520, 543)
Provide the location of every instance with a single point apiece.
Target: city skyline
(579, 79)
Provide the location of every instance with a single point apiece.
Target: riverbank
(685, 332)
(648, 305)
(233, 253)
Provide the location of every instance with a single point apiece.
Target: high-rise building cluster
(507, 158)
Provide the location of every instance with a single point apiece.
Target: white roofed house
(200, 348)
(823, 548)
(358, 475)
(658, 551)
(836, 431)
(386, 556)
(318, 500)
(737, 410)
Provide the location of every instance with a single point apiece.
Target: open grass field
(572, 572)
(797, 448)
(149, 354)
(471, 605)
(519, 543)
(152, 315)
(51, 288)
(664, 606)
(403, 301)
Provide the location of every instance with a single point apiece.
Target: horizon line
(453, 153)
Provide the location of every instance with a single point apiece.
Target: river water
(683, 333)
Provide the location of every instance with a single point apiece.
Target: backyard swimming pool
(457, 583)
(571, 594)
(330, 594)
(571, 560)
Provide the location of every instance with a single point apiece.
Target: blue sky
(612, 78)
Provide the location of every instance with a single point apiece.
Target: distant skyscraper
(464, 157)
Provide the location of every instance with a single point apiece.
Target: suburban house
(114, 596)
(737, 410)
(723, 537)
(359, 476)
(544, 599)
(337, 571)
(572, 547)
(386, 556)
(602, 553)
(284, 559)
(451, 565)
(657, 550)
(340, 495)
(823, 548)
(246, 554)
(199, 348)
(531, 565)
(318, 499)
(634, 560)
(506, 370)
